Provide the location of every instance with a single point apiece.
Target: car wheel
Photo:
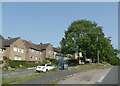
(37, 71)
(46, 70)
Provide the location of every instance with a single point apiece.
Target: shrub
(73, 62)
(22, 64)
(49, 61)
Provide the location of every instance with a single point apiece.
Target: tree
(86, 36)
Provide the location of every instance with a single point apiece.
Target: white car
(44, 67)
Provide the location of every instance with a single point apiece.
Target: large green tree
(87, 36)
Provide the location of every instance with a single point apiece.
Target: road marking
(100, 80)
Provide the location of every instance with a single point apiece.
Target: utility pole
(98, 55)
(97, 50)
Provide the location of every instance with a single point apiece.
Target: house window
(1, 58)
(36, 51)
(40, 52)
(18, 49)
(36, 58)
(15, 48)
(50, 52)
(17, 58)
(22, 50)
(0, 50)
(32, 50)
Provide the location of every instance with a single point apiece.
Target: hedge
(72, 62)
(22, 64)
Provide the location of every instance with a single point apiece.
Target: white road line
(100, 80)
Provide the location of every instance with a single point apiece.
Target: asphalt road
(86, 77)
(6, 74)
(112, 76)
(47, 78)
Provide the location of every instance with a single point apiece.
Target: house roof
(56, 49)
(43, 46)
(29, 44)
(8, 42)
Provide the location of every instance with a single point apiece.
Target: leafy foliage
(86, 36)
(22, 64)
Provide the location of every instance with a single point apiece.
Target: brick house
(14, 48)
(47, 50)
(19, 49)
(33, 53)
(56, 51)
(1, 49)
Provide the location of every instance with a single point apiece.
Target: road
(101, 76)
(111, 77)
(6, 74)
(96, 76)
(47, 78)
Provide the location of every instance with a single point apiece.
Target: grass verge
(17, 79)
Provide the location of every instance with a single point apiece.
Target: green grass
(17, 79)
(88, 66)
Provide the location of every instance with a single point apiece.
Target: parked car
(44, 67)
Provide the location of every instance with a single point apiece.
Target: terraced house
(33, 52)
(19, 49)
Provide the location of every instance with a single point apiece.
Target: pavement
(87, 77)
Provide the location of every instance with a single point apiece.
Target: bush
(73, 62)
(22, 64)
(49, 61)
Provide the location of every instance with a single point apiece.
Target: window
(15, 48)
(36, 58)
(22, 50)
(42, 65)
(32, 50)
(40, 52)
(17, 58)
(0, 50)
(36, 51)
(18, 49)
(49, 52)
(1, 58)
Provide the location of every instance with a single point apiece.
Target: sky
(45, 22)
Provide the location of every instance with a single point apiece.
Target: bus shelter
(61, 61)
